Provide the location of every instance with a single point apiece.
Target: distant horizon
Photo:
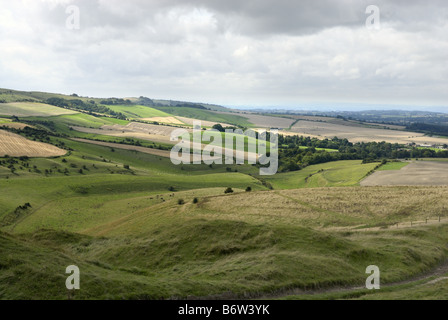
(300, 106)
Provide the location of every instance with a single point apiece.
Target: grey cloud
(253, 52)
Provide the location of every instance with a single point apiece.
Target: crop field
(207, 115)
(268, 121)
(14, 125)
(15, 145)
(204, 123)
(136, 112)
(169, 120)
(26, 109)
(417, 173)
(361, 134)
(156, 133)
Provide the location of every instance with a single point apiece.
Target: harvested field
(150, 132)
(268, 121)
(15, 145)
(204, 123)
(143, 128)
(29, 109)
(15, 125)
(360, 134)
(172, 120)
(353, 123)
(419, 173)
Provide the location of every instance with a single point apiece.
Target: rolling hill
(139, 227)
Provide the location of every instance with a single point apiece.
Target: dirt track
(419, 173)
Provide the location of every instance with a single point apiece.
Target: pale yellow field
(324, 130)
(15, 125)
(150, 132)
(204, 123)
(170, 120)
(15, 146)
(419, 173)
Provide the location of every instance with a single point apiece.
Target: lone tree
(228, 190)
(218, 127)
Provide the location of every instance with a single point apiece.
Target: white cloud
(251, 52)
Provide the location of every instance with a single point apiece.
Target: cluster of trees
(294, 141)
(292, 157)
(116, 101)
(31, 133)
(435, 129)
(89, 106)
(190, 105)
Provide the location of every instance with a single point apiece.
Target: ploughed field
(417, 173)
(323, 130)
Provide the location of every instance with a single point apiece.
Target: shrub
(248, 189)
(180, 201)
(195, 200)
(228, 190)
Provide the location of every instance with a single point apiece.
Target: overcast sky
(238, 53)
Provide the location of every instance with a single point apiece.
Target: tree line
(89, 106)
(293, 156)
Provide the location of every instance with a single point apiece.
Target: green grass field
(393, 166)
(332, 174)
(137, 112)
(26, 109)
(321, 149)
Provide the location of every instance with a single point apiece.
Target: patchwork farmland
(139, 227)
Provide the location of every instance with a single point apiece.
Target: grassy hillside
(176, 254)
(331, 174)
